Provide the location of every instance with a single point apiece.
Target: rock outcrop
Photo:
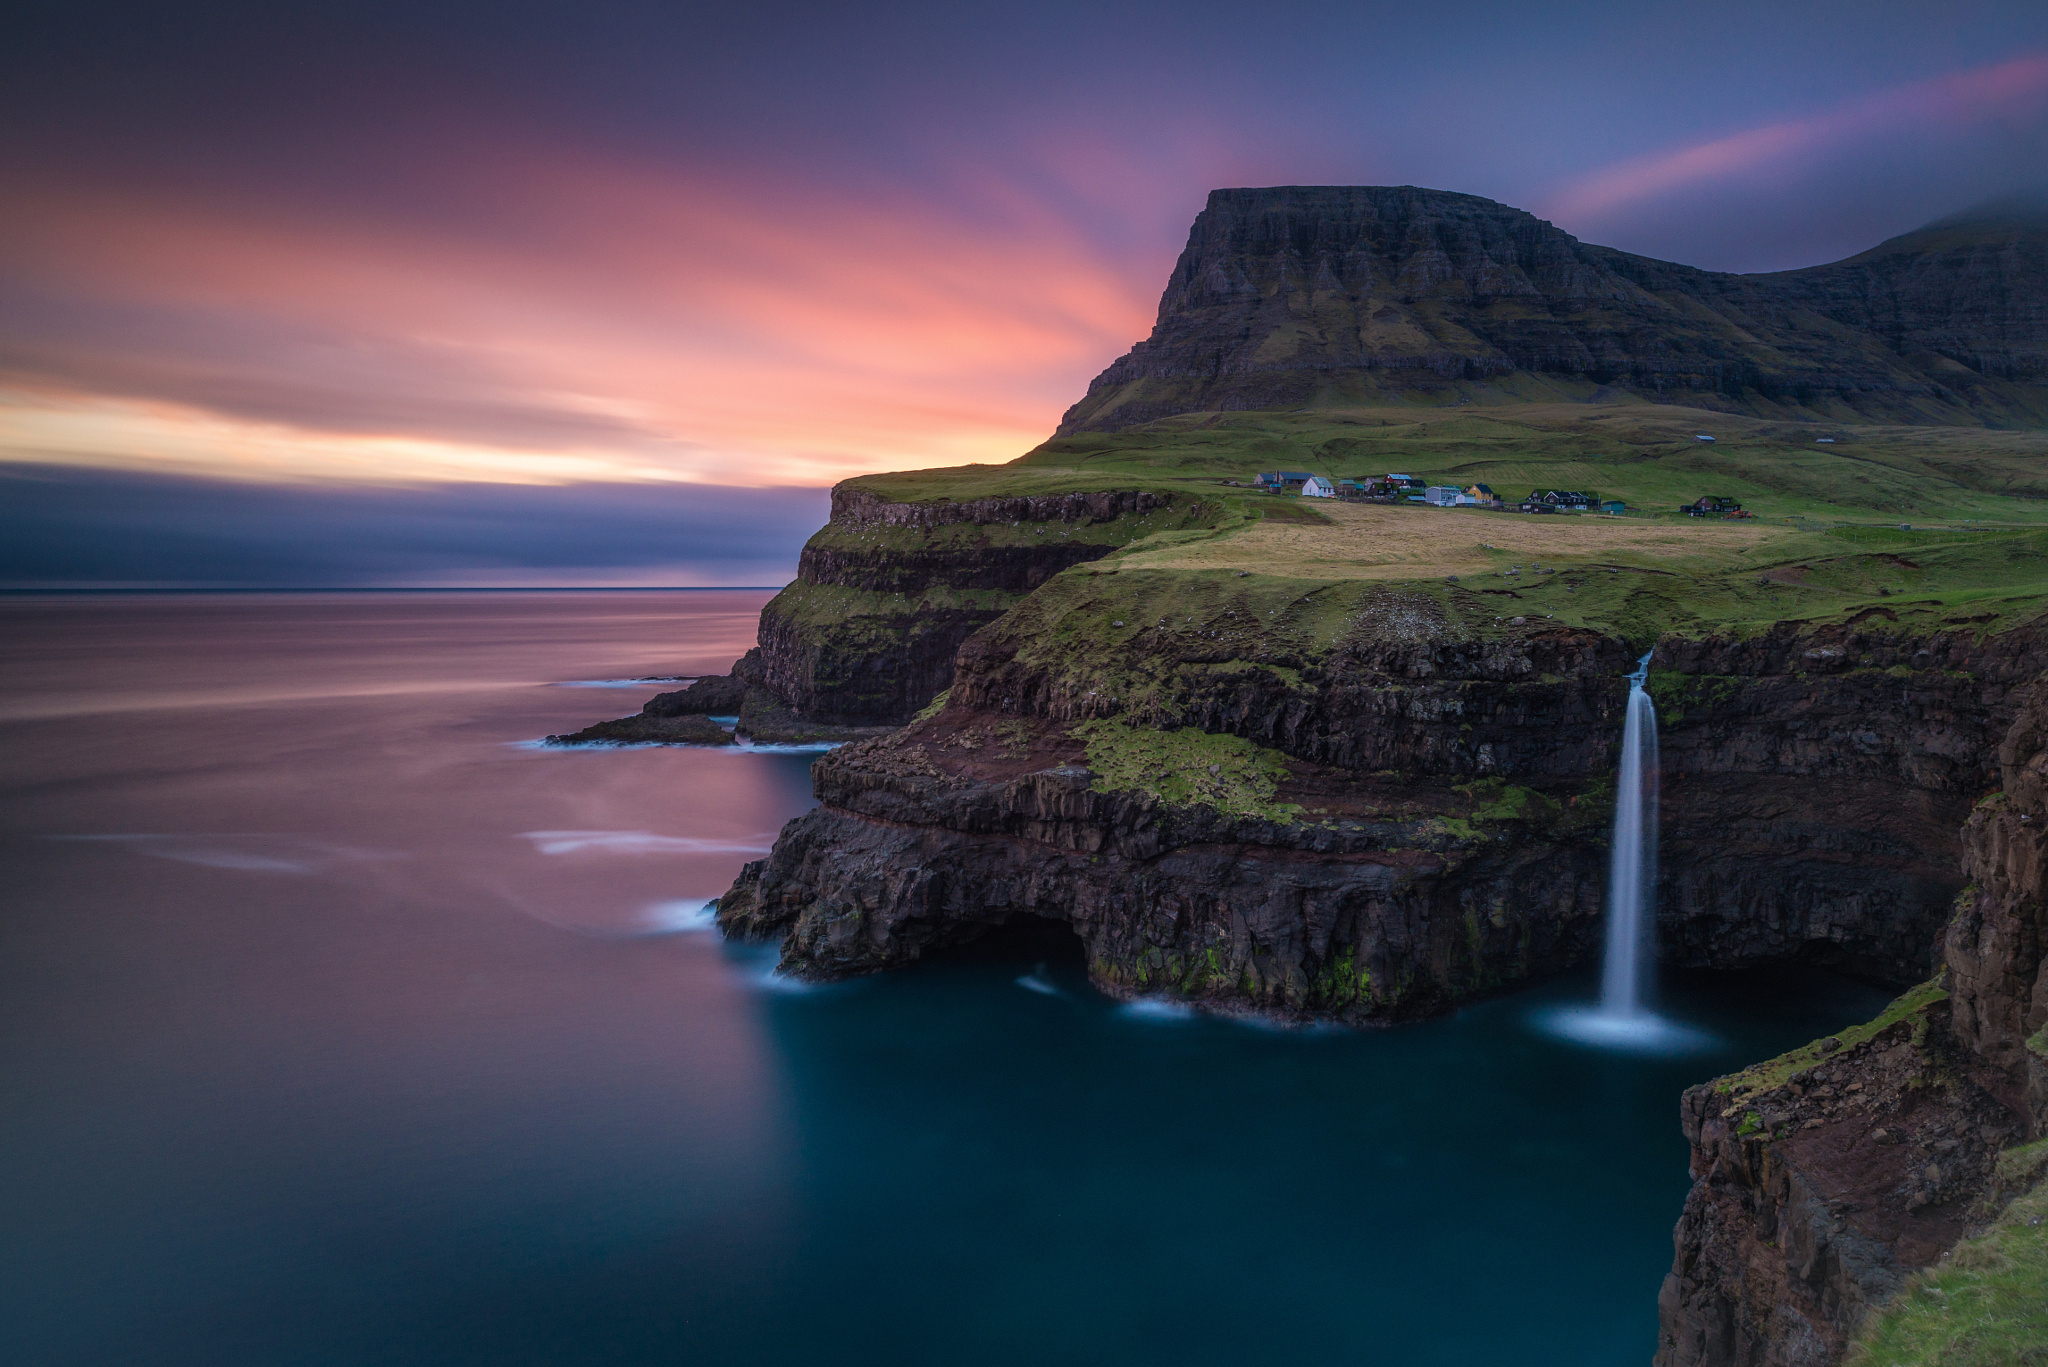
(1300, 295)
(1408, 902)
(686, 716)
(886, 593)
(1825, 1178)
(1436, 822)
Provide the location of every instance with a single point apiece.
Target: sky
(346, 266)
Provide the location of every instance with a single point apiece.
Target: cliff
(1826, 1179)
(1229, 806)
(1369, 799)
(1354, 762)
(886, 591)
(1300, 296)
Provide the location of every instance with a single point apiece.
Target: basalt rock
(642, 729)
(716, 695)
(887, 592)
(1822, 1180)
(682, 717)
(1811, 814)
(1299, 295)
(1388, 911)
(1997, 948)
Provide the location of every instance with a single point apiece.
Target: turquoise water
(340, 1028)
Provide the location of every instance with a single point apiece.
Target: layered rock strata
(1437, 823)
(886, 592)
(1824, 1179)
(1397, 905)
(687, 716)
(1299, 295)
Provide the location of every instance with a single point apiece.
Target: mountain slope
(1300, 296)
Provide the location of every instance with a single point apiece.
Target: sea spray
(1627, 973)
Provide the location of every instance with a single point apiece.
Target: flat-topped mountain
(1299, 296)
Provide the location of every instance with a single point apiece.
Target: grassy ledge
(1985, 1304)
(1187, 768)
(1776, 1072)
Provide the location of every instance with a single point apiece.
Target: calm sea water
(337, 1028)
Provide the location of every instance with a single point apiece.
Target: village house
(1614, 506)
(1561, 498)
(1281, 480)
(1441, 495)
(1713, 506)
(1317, 486)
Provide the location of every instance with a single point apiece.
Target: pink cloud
(724, 327)
(1959, 98)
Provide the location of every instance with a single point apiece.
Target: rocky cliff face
(1823, 1179)
(1298, 295)
(886, 592)
(1972, 289)
(930, 839)
(1435, 823)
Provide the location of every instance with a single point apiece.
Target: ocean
(342, 1024)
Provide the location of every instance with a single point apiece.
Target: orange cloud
(577, 318)
(1960, 97)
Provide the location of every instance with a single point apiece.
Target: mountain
(1309, 296)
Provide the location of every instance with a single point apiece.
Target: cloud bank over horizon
(714, 247)
(65, 528)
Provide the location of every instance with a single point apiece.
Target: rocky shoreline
(1369, 804)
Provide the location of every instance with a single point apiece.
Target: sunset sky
(387, 252)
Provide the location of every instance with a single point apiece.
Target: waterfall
(1624, 1017)
(1626, 976)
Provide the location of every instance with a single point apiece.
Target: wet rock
(646, 730)
(717, 695)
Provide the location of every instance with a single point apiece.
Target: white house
(1441, 495)
(1315, 486)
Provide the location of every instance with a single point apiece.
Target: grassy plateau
(1924, 527)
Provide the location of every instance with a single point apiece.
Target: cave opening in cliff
(1023, 938)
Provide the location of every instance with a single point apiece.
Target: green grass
(840, 608)
(1776, 1072)
(1985, 1305)
(1187, 768)
(1645, 454)
(1829, 547)
(961, 538)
